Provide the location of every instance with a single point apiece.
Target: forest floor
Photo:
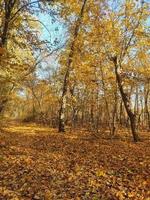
(39, 163)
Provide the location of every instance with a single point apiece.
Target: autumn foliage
(39, 163)
(74, 99)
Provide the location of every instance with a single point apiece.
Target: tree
(118, 37)
(16, 64)
(68, 68)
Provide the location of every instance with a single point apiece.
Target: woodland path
(39, 163)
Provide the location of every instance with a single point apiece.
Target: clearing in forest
(40, 163)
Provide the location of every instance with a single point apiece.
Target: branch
(21, 8)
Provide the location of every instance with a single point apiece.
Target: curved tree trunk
(125, 99)
(67, 74)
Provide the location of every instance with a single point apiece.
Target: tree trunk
(114, 113)
(67, 74)
(125, 99)
(105, 99)
(2, 105)
(62, 114)
(147, 91)
(3, 38)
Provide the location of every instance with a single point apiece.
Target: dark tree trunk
(3, 38)
(9, 5)
(2, 105)
(67, 74)
(125, 99)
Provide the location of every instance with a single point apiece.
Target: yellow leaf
(131, 194)
(100, 173)
(120, 195)
(48, 195)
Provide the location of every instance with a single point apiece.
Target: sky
(54, 30)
